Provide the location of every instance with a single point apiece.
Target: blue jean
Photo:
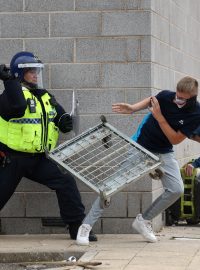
(173, 188)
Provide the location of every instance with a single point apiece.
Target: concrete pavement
(178, 248)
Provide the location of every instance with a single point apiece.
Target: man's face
(181, 99)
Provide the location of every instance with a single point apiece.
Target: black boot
(92, 236)
(73, 230)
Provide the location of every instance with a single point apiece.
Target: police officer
(30, 120)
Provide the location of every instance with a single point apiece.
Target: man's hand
(155, 110)
(172, 135)
(123, 108)
(189, 169)
(4, 73)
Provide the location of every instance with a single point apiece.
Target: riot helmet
(28, 68)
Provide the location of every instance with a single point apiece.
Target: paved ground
(127, 252)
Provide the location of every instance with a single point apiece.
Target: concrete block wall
(109, 51)
(175, 52)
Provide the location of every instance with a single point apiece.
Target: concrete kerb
(17, 251)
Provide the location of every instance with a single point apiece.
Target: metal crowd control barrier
(104, 159)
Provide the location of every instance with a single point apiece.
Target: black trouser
(42, 170)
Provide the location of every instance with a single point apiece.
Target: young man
(173, 117)
(30, 120)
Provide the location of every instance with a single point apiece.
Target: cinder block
(27, 185)
(41, 204)
(117, 207)
(11, 6)
(161, 77)
(134, 95)
(132, 4)
(126, 75)
(160, 52)
(24, 25)
(126, 124)
(117, 225)
(160, 28)
(101, 50)
(146, 51)
(144, 184)
(158, 6)
(82, 187)
(15, 207)
(134, 204)
(145, 4)
(29, 226)
(126, 23)
(107, 50)
(64, 98)
(98, 101)
(8, 48)
(88, 198)
(77, 24)
(106, 4)
(20, 225)
(51, 50)
(133, 49)
(75, 76)
(49, 5)
(91, 101)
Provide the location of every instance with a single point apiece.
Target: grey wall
(109, 51)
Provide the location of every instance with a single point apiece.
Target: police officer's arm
(63, 120)
(173, 136)
(12, 101)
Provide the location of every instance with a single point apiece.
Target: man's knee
(177, 192)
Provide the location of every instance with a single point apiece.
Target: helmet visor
(33, 74)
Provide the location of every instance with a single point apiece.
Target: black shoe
(92, 236)
(73, 230)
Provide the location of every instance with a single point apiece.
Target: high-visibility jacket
(34, 132)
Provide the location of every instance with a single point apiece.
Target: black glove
(4, 73)
(65, 123)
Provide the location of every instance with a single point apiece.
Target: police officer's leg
(10, 177)
(69, 200)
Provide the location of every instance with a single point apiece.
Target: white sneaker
(144, 227)
(83, 235)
